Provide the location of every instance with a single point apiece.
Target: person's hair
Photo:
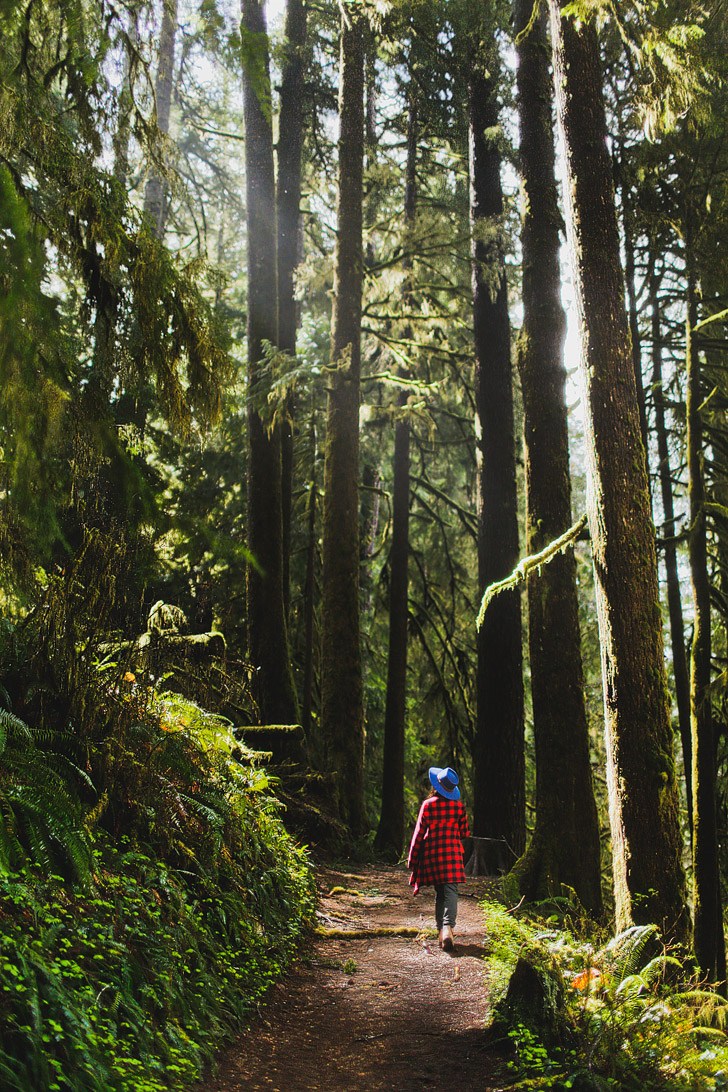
(433, 792)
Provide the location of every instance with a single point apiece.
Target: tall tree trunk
(390, 833)
(674, 604)
(288, 201)
(98, 390)
(649, 882)
(342, 712)
(709, 943)
(370, 510)
(267, 634)
(499, 807)
(371, 209)
(309, 594)
(371, 477)
(155, 193)
(122, 136)
(630, 277)
(565, 845)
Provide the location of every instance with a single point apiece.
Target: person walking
(436, 850)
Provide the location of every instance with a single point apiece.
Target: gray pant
(446, 904)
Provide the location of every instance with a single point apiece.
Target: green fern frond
(211, 814)
(68, 770)
(10, 847)
(631, 986)
(701, 997)
(627, 949)
(36, 837)
(12, 727)
(711, 1008)
(38, 803)
(658, 967)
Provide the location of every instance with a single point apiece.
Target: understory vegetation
(600, 1014)
(149, 892)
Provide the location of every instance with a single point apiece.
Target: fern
(632, 986)
(709, 1009)
(12, 728)
(197, 902)
(41, 815)
(627, 949)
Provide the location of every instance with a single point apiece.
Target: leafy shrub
(635, 1019)
(195, 904)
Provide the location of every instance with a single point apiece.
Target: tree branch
(529, 564)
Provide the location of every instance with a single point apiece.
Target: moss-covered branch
(530, 564)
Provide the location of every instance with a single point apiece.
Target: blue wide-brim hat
(445, 782)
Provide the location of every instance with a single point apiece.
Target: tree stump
(535, 996)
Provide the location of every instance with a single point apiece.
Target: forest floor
(374, 1004)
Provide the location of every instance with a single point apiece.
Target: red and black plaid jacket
(436, 849)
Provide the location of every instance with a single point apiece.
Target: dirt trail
(371, 1012)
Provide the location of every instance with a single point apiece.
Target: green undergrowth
(125, 973)
(632, 1015)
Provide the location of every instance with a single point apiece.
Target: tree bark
(674, 604)
(267, 634)
(709, 942)
(342, 713)
(390, 833)
(565, 846)
(122, 136)
(98, 390)
(371, 477)
(309, 594)
(288, 201)
(369, 520)
(649, 882)
(634, 326)
(155, 192)
(498, 750)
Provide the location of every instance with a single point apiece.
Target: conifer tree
(499, 801)
(288, 199)
(342, 711)
(390, 833)
(649, 882)
(709, 938)
(155, 194)
(267, 632)
(565, 845)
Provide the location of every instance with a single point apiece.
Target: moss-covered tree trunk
(370, 494)
(155, 193)
(98, 391)
(267, 634)
(342, 713)
(122, 137)
(672, 576)
(649, 882)
(288, 201)
(371, 471)
(390, 832)
(630, 277)
(309, 594)
(498, 749)
(709, 942)
(565, 847)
